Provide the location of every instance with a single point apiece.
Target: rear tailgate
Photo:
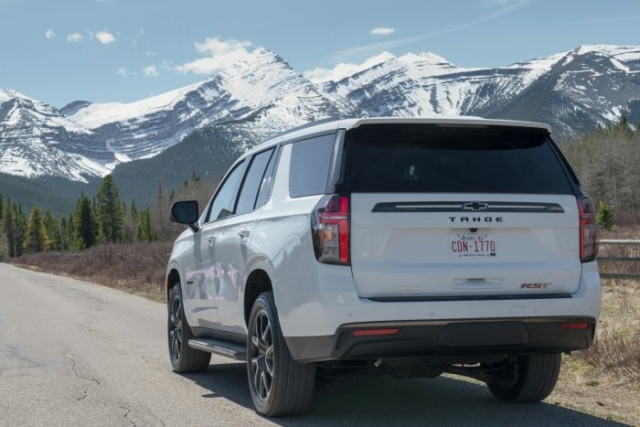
(407, 246)
(441, 211)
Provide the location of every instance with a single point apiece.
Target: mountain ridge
(573, 91)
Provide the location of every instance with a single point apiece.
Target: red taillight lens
(588, 229)
(330, 226)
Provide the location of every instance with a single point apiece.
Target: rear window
(435, 159)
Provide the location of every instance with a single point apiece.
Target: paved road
(77, 354)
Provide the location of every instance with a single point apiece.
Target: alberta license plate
(472, 245)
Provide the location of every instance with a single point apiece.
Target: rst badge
(535, 285)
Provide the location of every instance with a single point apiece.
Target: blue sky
(124, 50)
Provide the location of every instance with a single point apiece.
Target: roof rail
(304, 126)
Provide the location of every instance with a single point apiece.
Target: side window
(310, 163)
(251, 185)
(225, 198)
(265, 186)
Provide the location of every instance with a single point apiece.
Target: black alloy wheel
(184, 359)
(278, 384)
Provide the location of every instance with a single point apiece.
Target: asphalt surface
(78, 354)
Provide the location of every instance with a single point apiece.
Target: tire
(279, 386)
(537, 375)
(184, 359)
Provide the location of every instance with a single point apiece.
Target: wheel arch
(257, 283)
(172, 279)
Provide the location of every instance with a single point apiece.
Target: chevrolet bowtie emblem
(475, 206)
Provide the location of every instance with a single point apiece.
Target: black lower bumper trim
(444, 340)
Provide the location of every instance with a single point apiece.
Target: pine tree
(131, 223)
(604, 218)
(64, 233)
(109, 212)
(7, 227)
(19, 230)
(53, 238)
(35, 235)
(70, 232)
(161, 208)
(84, 226)
(4, 249)
(145, 228)
(4, 245)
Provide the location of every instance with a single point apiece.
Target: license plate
(472, 246)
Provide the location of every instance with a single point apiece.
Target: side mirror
(186, 213)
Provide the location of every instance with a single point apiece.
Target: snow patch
(344, 70)
(95, 115)
(619, 65)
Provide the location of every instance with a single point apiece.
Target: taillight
(330, 229)
(588, 229)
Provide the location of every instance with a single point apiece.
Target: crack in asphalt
(128, 412)
(76, 372)
(126, 415)
(86, 394)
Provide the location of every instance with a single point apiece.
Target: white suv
(411, 247)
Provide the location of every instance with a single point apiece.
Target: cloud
(122, 72)
(343, 70)
(150, 54)
(506, 7)
(50, 34)
(74, 37)
(105, 37)
(382, 31)
(218, 53)
(150, 71)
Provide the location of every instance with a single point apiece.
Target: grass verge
(605, 379)
(138, 268)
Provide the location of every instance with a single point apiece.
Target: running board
(222, 348)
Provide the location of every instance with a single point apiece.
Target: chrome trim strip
(455, 206)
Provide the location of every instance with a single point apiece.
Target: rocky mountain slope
(249, 100)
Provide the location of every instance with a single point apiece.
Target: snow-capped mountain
(36, 140)
(262, 95)
(261, 82)
(573, 91)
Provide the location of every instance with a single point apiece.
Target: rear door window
(436, 159)
(252, 181)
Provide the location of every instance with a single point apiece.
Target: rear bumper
(319, 304)
(448, 341)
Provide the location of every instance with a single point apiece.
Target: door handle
(211, 239)
(244, 233)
